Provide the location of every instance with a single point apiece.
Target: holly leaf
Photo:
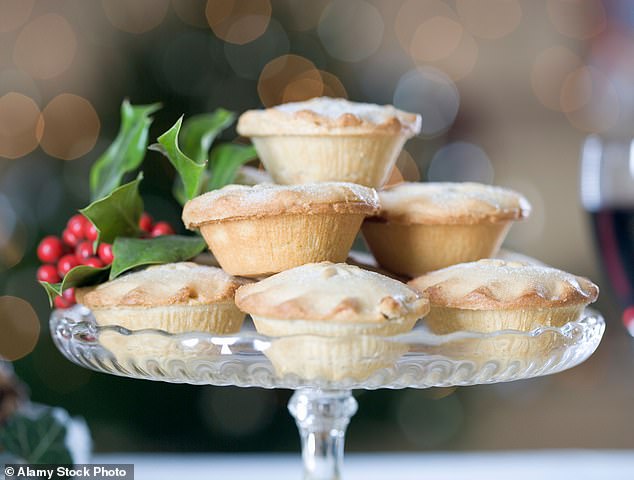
(40, 434)
(225, 161)
(190, 171)
(131, 253)
(77, 277)
(200, 131)
(126, 152)
(118, 213)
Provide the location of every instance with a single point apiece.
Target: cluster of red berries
(76, 247)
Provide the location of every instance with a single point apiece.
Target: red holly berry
(162, 228)
(48, 273)
(61, 302)
(84, 250)
(70, 239)
(50, 249)
(91, 232)
(66, 264)
(146, 222)
(69, 295)
(93, 262)
(77, 224)
(105, 253)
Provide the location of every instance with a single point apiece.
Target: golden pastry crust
(173, 284)
(493, 284)
(329, 116)
(450, 203)
(237, 202)
(333, 292)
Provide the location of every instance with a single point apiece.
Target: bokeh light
(490, 19)
(20, 328)
(590, 100)
(14, 80)
(580, 19)
(71, 127)
(433, 35)
(248, 60)
(238, 21)
(14, 13)
(12, 241)
(298, 73)
(413, 13)
(436, 38)
(332, 86)
(45, 47)
(135, 16)
(432, 94)
(192, 12)
(301, 16)
(549, 72)
(351, 30)
(19, 131)
(460, 162)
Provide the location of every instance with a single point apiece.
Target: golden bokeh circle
(549, 72)
(238, 21)
(436, 38)
(19, 133)
(590, 100)
(413, 13)
(14, 14)
(490, 19)
(580, 19)
(20, 328)
(405, 170)
(289, 76)
(332, 86)
(135, 16)
(45, 47)
(71, 127)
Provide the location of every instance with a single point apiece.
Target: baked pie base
(443, 320)
(218, 318)
(363, 159)
(414, 249)
(265, 245)
(333, 358)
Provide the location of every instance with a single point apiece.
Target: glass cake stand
(324, 370)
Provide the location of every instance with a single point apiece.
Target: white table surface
(530, 465)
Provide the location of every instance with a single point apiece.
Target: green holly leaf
(40, 434)
(200, 131)
(79, 276)
(118, 213)
(131, 253)
(225, 161)
(189, 171)
(126, 152)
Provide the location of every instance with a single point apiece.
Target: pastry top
(240, 201)
(451, 203)
(334, 292)
(329, 116)
(183, 283)
(493, 284)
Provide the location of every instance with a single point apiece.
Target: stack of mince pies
(282, 248)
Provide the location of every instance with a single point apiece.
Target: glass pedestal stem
(322, 417)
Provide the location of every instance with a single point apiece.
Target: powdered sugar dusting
(334, 108)
(450, 200)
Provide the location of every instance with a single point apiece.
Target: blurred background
(520, 93)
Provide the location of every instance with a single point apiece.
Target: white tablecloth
(533, 465)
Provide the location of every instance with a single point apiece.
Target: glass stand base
(322, 417)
